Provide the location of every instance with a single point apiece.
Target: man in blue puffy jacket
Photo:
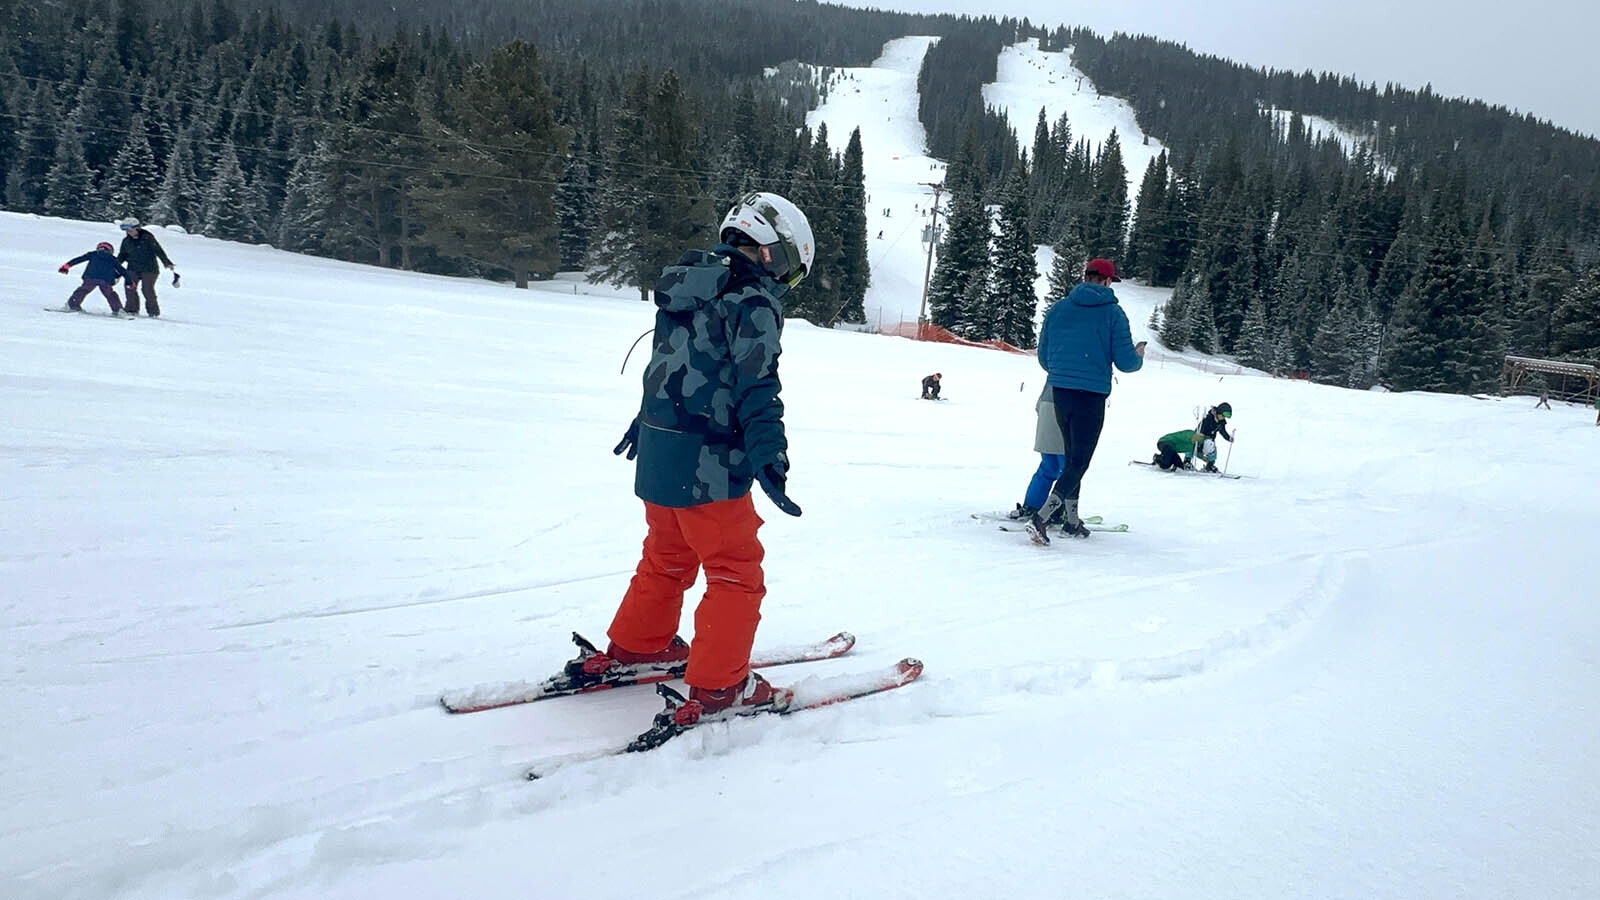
(1084, 335)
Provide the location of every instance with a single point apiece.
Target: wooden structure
(1551, 378)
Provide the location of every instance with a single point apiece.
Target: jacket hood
(1086, 294)
(700, 276)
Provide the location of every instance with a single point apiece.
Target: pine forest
(512, 139)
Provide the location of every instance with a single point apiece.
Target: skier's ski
(1092, 526)
(811, 693)
(1150, 465)
(85, 312)
(573, 680)
(1005, 517)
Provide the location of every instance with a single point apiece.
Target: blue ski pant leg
(1051, 465)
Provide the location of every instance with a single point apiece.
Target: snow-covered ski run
(811, 693)
(496, 696)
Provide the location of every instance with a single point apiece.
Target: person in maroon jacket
(139, 252)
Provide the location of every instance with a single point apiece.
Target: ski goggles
(775, 259)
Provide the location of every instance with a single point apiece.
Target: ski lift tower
(932, 236)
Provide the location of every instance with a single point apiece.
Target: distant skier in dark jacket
(101, 273)
(930, 386)
(140, 250)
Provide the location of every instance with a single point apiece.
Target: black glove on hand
(630, 441)
(772, 478)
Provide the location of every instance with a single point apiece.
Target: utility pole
(927, 272)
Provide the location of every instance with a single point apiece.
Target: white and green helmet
(779, 229)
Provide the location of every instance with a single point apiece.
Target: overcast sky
(1533, 56)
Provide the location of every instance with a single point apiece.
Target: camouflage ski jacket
(711, 417)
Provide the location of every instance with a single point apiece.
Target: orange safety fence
(928, 331)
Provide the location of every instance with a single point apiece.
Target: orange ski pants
(721, 537)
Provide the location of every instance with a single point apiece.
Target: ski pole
(1229, 457)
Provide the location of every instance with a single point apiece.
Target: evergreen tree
(8, 135)
(1529, 314)
(383, 160)
(1573, 332)
(621, 255)
(575, 207)
(1336, 347)
(1178, 314)
(1146, 250)
(1047, 175)
(963, 255)
(1423, 351)
(178, 201)
(232, 209)
(1015, 267)
(977, 313)
(130, 187)
(496, 201)
(651, 205)
(1071, 258)
(69, 187)
(103, 106)
(855, 272)
(1482, 307)
(303, 218)
(27, 178)
(814, 186)
(1257, 343)
(1106, 220)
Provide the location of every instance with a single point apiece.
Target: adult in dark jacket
(101, 273)
(709, 425)
(139, 251)
(1084, 335)
(930, 386)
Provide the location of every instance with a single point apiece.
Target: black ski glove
(630, 441)
(772, 478)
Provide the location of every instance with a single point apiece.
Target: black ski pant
(1169, 457)
(147, 283)
(1081, 415)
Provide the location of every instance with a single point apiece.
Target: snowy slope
(1028, 79)
(245, 548)
(881, 100)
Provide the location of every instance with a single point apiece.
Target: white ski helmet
(779, 229)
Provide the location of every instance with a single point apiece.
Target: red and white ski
(812, 693)
(570, 682)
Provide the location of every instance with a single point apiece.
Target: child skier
(1214, 422)
(101, 273)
